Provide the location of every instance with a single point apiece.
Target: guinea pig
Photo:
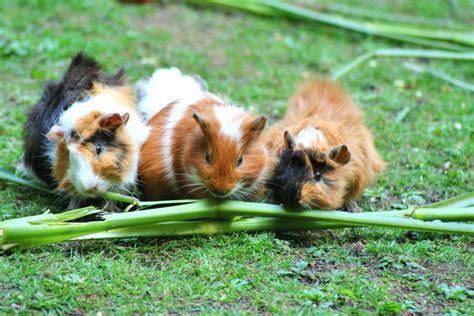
(200, 146)
(324, 154)
(84, 136)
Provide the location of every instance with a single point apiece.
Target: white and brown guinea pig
(325, 155)
(200, 146)
(84, 135)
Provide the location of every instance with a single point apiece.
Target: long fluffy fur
(334, 120)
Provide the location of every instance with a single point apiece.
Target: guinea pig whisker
(133, 194)
(188, 185)
(62, 198)
(197, 189)
(138, 181)
(272, 184)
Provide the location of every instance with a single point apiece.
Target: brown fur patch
(123, 94)
(62, 163)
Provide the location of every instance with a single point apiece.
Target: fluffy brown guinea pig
(199, 146)
(325, 155)
(85, 134)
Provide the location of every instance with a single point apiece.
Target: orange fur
(123, 94)
(189, 143)
(323, 105)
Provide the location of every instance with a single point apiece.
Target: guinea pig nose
(92, 189)
(220, 191)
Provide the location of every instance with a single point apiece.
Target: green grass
(258, 63)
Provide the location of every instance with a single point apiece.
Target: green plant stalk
(210, 227)
(36, 230)
(400, 52)
(113, 196)
(8, 176)
(232, 208)
(440, 75)
(424, 53)
(462, 200)
(465, 38)
(386, 17)
(422, 37)
(207, 227)
(50, 228)
(256, 224)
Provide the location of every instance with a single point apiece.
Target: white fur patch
(166, 86)
(82, 176)
(308, 136)
(230, 121)
(176, 114)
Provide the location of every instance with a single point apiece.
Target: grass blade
(440, 75)
(400, 52)
(8, 176)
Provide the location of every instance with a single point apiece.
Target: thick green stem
(462, 200)
(26, 230)
(113, 196)
(209, 227)
(232, 208)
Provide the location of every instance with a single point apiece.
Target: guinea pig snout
(288, 195)
(221, 191)
(292, 198)
(92, 188)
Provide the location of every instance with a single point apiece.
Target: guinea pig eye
(317, 176)
(99, 148)
(240, 161)
(208, 157)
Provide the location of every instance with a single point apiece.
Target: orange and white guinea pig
(325, 154)
(84, 135)
(200, 146)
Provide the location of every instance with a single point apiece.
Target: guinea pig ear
(253, 129)
(340, 154)
(199, 118)
(289, 141)
(56, 133)
(258, 125)
(113, 120)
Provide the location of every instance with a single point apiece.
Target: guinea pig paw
(352, 207)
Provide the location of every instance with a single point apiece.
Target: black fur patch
(288, 178)
(289, 175)
(57, 97)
